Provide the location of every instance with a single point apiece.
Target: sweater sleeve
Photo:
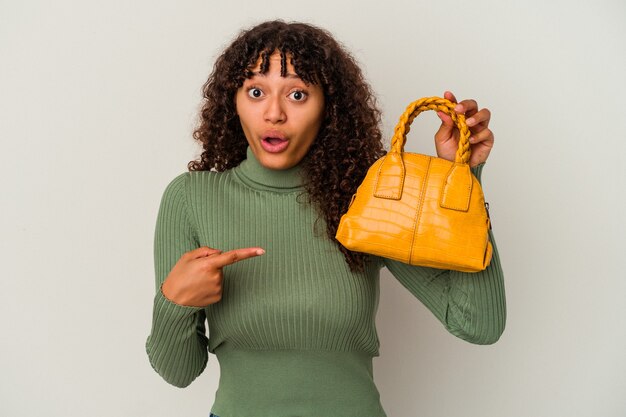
(471, 305)
(177, 344)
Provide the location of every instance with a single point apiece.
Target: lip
(274, 147)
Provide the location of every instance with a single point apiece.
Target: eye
(298, 95)
(255, 92)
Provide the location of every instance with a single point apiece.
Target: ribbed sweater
(294, 332)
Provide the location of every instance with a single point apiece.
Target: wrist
(169, 291)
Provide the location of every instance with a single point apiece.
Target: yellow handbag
(419, 209)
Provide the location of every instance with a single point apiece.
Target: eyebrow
(289, 75)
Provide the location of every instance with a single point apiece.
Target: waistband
(291, 383)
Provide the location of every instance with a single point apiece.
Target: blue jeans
(213, 415)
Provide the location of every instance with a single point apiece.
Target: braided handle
(438, 104)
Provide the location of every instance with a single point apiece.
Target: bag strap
(438, 104)
(390, 176)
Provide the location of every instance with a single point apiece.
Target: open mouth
(274, 143)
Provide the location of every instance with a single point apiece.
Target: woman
(245, 241)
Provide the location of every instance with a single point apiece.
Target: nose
(274, 111)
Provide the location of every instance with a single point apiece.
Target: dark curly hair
(349, 140)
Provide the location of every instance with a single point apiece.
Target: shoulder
(197, 183)
(177, 186)
(190, 179)
(174, 195)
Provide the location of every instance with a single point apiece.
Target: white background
(97, 104)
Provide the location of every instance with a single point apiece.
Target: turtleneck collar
(252, 173)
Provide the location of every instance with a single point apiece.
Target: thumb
(446, 129)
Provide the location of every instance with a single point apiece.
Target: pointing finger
(235, 255)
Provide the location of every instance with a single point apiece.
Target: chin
(274, 162)
(279, 166)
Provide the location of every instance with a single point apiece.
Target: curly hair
(349, 140)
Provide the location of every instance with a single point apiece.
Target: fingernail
(472, 139)
(470, 121)
(458, 108)
(260, 251)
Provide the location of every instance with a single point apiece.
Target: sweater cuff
(477, 171)
(175, 348)
(162, 303)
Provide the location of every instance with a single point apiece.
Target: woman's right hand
(196, 279)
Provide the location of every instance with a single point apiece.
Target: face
(280, 116)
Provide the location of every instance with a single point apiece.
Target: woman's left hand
(481, 138)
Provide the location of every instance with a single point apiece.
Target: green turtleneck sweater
(294, 332)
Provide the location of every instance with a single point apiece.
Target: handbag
(420, 209)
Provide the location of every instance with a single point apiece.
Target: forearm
(177, 345)
(476, 309)
(470, 305)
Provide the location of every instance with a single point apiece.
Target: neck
(255, 175)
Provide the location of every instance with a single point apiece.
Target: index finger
(467, 107)
(235, 255)
(449, 96)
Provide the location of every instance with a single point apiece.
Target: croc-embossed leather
(420, 209)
